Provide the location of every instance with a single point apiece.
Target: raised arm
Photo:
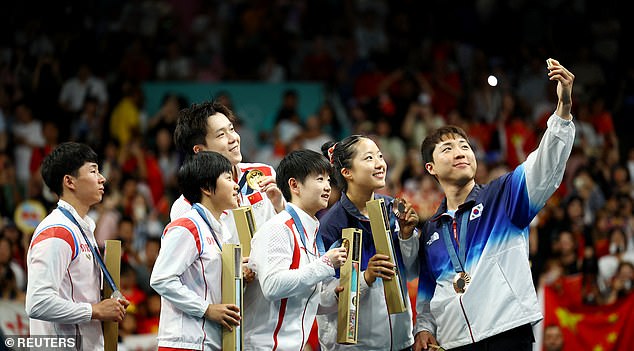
(564, 79)
(544, 167)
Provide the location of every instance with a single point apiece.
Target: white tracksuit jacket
(64, 280)
(187, 274)
(281, 304)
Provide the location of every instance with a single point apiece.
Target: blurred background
(114, 74)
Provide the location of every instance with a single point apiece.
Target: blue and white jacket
(374, 330)
(501, 295)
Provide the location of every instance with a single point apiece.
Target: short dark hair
(201, 171)
(191, 126)
(299, 164)
(67, 158)
(429, 144)
(342, 154)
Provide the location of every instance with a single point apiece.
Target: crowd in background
(393, 70)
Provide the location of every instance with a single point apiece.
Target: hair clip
(331, 150)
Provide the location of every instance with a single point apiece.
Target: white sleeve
(272, 253)
(545, 166)
(329, 301)
(409, 251)
(178, 251)
(48, 262)
(424, 318)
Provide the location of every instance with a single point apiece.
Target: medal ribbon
(243, 180)
(95, 254)
(202, 214)
(302, 233)
(456, 259)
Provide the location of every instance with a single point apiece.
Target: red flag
(264, 169)
(594, 328)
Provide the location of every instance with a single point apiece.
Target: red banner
(594, 328)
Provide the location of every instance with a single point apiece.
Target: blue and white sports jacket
(501, 295)
(377, 329)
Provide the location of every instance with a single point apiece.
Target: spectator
(603, 121)
(419, 121)
(46, 84)
(125, 234)
(12, 275)
(129, 288)
(50, 131)
(553, 338)
(167, 115)
(313, 137)
(27, 132)
(271, 70)
(147, 258)
(138, 162)
(168, 159)
(10, 194)
(148, 322)
(394, 152)
(88, 127)
(127, 115)
(77, 88)
(622, 283)
(174, 65)
(136, 65)
(620, 252)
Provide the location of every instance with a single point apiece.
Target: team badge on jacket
(476, 211)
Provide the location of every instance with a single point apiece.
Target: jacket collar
(354, 211)
(469, 202)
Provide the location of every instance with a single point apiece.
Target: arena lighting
(492, 80)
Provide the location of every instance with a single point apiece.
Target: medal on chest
(457, 255)
(460, 282)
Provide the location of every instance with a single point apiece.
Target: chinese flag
(594, 328)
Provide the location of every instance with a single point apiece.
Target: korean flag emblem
(476, 211)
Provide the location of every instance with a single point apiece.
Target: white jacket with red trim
(187, 274)
(64, 280)
(281, 303)
(263, 208)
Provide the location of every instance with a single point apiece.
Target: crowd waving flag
(584, 327)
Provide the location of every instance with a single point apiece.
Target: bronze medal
(253, 178)
(398, 207)
(461, 281)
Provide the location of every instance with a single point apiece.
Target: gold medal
(253, 178)
(461, 281)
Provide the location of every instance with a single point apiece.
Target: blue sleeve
(515, 200)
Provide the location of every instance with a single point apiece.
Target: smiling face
(225, 196)
(453, 161)
(368, 167)
(88, 185)
(222, 138)
(313, 193)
